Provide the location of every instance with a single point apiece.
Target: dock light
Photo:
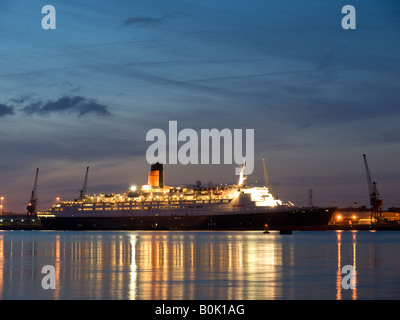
(1, 206)
(354, 217)
(132, 188)
(339, 217)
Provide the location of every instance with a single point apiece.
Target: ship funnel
(156, 175)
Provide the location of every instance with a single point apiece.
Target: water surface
(156, 265)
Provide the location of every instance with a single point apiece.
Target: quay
(19, 222)
(383, 226)
(360, 219)
(341, 220)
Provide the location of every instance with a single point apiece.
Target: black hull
(295, 219)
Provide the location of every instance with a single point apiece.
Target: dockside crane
(374, 196)
(311, 198)
(32, 206)
(84, 189)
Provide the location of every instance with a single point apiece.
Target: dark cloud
(77, 105)
(20, 100)
(6, 110)
(144, 21)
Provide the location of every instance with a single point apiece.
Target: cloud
(6, 110)
(20, 100)
(78, 105)
(144, 21)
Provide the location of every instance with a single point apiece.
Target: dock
(360, 219)
(19, 222)
(25, 222)
(383, 226)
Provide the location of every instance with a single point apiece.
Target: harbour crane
(374, 196)
(32, 206)
(311, 198)
(84, 189)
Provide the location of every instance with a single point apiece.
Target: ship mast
(84, 189)
(266, 177)
(242, 178)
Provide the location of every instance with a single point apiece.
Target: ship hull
(293, 219)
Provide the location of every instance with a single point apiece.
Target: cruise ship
(155, 206)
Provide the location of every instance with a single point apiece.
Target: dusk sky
(87, 93)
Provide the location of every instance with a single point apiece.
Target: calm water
(199, 265)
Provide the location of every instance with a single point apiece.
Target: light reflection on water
(199, 265)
